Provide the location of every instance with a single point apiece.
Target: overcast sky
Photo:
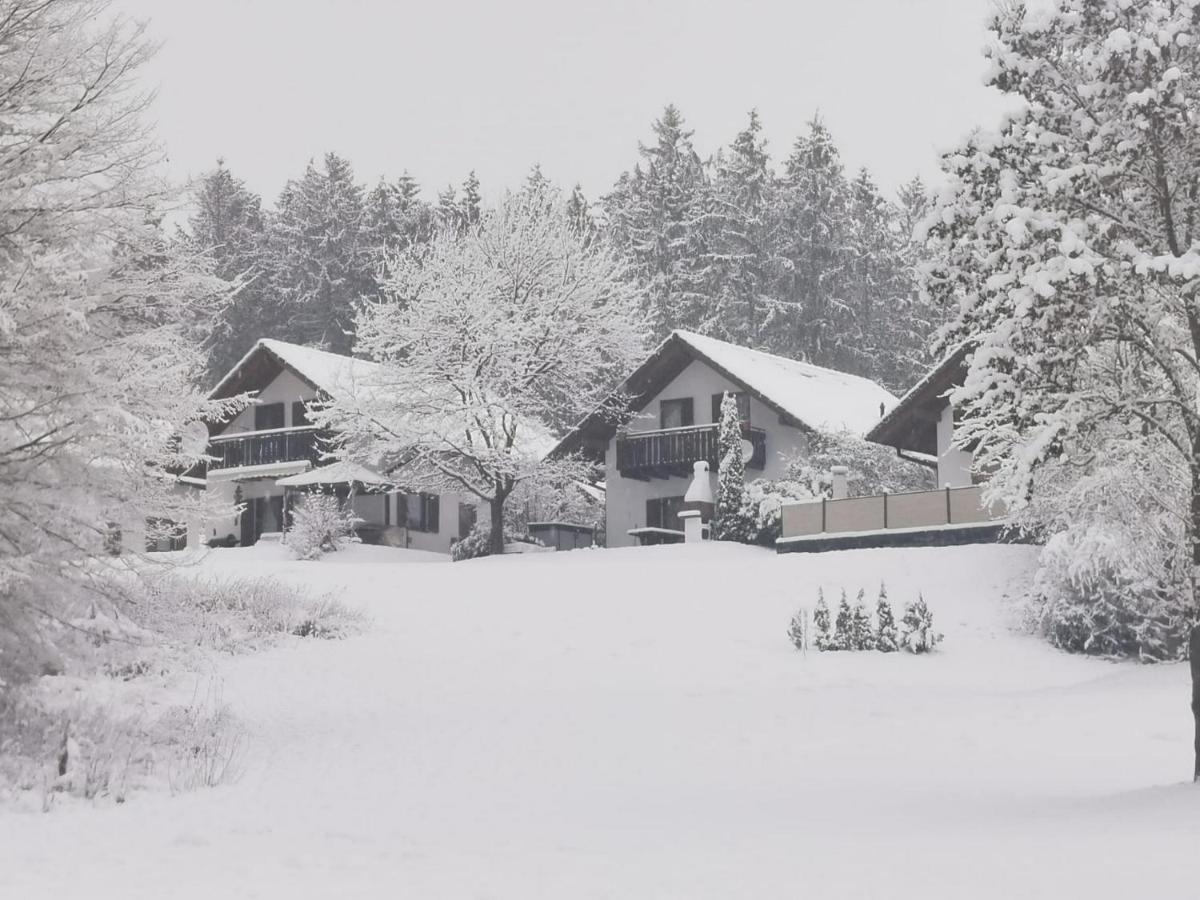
(444, 86)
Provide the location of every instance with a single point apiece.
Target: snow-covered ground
(634, 723)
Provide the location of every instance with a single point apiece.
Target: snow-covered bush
(796, 630)
(872, 467)
(887, 639)
(822, 632)
(476, 544)
(321, 523)
(862, 635)
(916, 628)
(764, 500)
(843, 626)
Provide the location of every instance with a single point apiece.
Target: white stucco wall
(625, 506)
(954, 465)
(286, 388)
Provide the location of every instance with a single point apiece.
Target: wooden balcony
(671, 452)
(263, 448)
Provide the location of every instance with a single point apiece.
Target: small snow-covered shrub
(329, 619)
(822, 632)
(916, 628)
(796, 630)
(764, 500)
(476, 544)
(887, 640)
(862, 635)
(843, 625)
(320, 524)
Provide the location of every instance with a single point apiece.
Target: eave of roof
(901, 425)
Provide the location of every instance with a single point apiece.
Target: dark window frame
(743, 402)
(660, 511)
(300, 413)
(422, 512)
(265, 411)
(687, 412)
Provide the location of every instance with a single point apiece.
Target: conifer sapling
(886, 639)
(916, 628)
(822, 635)
(862, 636)
(843, 626)
(796, 631)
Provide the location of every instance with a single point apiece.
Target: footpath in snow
(634, 723)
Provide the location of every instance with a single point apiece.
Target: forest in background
(798, 259)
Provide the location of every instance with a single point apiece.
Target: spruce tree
(321, 262)
(796, 632)
(843, 626)
(862, 637)
(886, 638)
(731, 520)
(469, 205)
(822, 633)
(228, 227)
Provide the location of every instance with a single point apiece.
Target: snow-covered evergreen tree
(730, 520)
(471, 201)
(482, 335)
(796, 630)
(916, 628)
(823, 638)
(654, 214)
(862, 636)
(321, 262)
(887, 639)
(228, 225)
(843, 625)
(1067, 241)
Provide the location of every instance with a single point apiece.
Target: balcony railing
(673, 451)
(261, 448)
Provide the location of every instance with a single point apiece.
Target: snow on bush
(916, 628)
(862, 635)
(321, 524)
(842, 625)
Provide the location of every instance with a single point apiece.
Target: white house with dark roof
(269, 454)
(671, 418)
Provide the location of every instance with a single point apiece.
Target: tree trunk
(1194, 657)
(496, 536)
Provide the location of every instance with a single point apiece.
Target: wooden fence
(918, 509)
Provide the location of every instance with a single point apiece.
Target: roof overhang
(912, 424)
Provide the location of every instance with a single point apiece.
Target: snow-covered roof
(332, 373)
(901, 428)
(343, 472)
(819, 397)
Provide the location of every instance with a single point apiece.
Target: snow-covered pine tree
(812, 317)
(228, 225)
(447, 408)
(1067, 240)
(862, 636)
(796, 630)
(447, 212)
(886, 638)
(730, 519)
(916, 628)
(469, 205)
(823, 638)
(655, 215)
(321, 263)
(579, 211)
(843, 625)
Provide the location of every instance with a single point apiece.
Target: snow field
(634, 723)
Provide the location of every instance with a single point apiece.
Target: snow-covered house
(267, 455)
(670, 422)
(923, 422)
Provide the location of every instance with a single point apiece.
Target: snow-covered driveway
(635, 724)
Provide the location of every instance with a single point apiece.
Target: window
(743, 402)
(268, 416)
(675, 413)
(299, 414)
(421, 512)
(466, 518)
(663, 512)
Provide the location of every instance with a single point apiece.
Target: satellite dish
(193, 439)
(747, 450)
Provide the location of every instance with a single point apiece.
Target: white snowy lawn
(634, 724)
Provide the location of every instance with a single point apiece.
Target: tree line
(804, 261)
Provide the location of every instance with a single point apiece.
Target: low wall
(919, 509)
